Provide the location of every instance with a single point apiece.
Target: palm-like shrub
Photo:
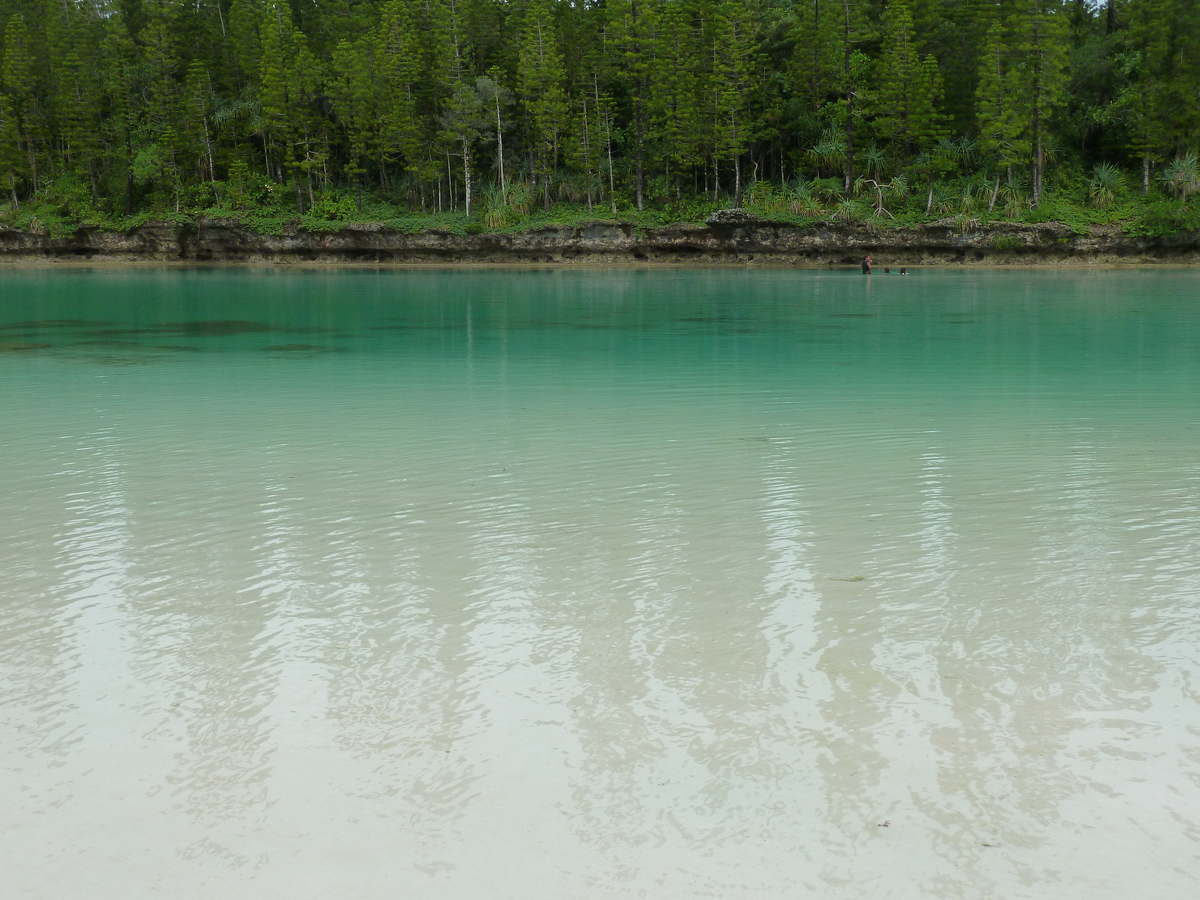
(828, 190)
(1013, 202)
(800, 198)
(1013, 197)
(847, 211)
(520, 198)
(495, 214)
(964, 223)
(506, 206)
(1106, 182)
(963, 151)
(874, 160)
(970, 201)
(573, 188)
(943, 201)
(829, 153)
(1182, 176)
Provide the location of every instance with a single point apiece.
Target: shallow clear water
(587, 584)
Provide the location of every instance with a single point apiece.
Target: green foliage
(542, 78)
(732, 52)
(907, 100)
(1057, 209)
(1182, 176)
(334, 209)
(1007, 242)
(1163, 219)
(406, 112)
(1108, 182)
(508, 206)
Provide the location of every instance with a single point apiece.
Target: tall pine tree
(543, 94)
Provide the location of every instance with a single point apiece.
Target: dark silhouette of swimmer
(887, 271)
(866, 264)
(903, 270)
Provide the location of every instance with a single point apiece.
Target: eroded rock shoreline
(729, 242)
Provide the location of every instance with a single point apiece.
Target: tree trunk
(849, 185)
(1038, 165)
(612, 190)
(128, 176)
(737, 181)
(500, 149)
(31, 150)
(641, 154)
(1145, 174)
(467, 173)
(212, 169)
(587, 151)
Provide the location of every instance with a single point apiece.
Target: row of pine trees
(502, 104)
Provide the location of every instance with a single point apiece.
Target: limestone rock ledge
(737, 240)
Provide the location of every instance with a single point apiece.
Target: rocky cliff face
(734, 239)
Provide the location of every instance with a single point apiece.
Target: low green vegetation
(487, 116)
(965, 204)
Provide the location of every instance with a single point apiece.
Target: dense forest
(498, 110)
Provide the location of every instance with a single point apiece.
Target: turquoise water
(576, 584)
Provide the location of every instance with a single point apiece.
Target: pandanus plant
(801, 198)
(504, 207)
(829, 153)
(874, 160)
(1106, 182)
(1182, 176)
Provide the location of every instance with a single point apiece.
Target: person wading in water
(866, 264)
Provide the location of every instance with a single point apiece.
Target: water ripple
(598, 585)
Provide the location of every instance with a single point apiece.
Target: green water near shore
(599, 583)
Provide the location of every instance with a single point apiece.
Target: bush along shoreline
(726, 237)
(966, 203)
